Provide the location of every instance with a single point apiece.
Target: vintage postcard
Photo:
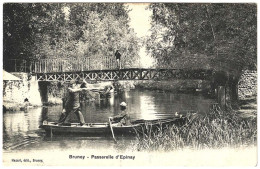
(129, 84)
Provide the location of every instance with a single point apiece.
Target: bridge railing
(103, 63)
(60, 64)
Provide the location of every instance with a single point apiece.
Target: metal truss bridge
(104, 69)
(126, 74)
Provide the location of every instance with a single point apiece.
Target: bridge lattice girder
(127, 74)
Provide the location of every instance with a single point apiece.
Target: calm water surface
(21, 128)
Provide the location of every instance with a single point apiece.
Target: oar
(109, 119)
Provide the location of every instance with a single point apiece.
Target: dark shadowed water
(21, 128)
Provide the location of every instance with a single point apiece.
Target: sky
(140, 22)
(140, 18)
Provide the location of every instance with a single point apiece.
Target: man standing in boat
(72, 102)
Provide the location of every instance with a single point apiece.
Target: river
(21, 128)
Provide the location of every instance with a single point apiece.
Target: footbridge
(105, 70)
(125, 74)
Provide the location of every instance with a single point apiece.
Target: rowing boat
(54, 128)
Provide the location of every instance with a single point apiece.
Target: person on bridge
(72, 103)
(118, 57)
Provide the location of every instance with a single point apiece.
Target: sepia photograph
(129, 84)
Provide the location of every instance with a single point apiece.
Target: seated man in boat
(72, 103)
(123, 119)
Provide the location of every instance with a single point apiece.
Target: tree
(68, 30)
(224, 34)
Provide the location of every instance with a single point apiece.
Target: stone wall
(247, 85)
(14, 92)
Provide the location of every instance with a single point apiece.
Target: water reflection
(147, 108)
(21, 128)
(22, 122)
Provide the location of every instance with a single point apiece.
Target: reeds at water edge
(215, 129)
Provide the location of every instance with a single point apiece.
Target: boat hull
(103, 129)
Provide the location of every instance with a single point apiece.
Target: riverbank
(13, 106)
(184, 86)
(215, 129)
(19, 94)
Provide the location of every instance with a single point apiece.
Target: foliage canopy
(224, 35)
(68, 30)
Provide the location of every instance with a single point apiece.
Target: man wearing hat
(122, 106)
(72, 103)
(123, 118)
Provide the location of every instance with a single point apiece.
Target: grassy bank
(216, 129)
(14, 106)
(175, 85)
